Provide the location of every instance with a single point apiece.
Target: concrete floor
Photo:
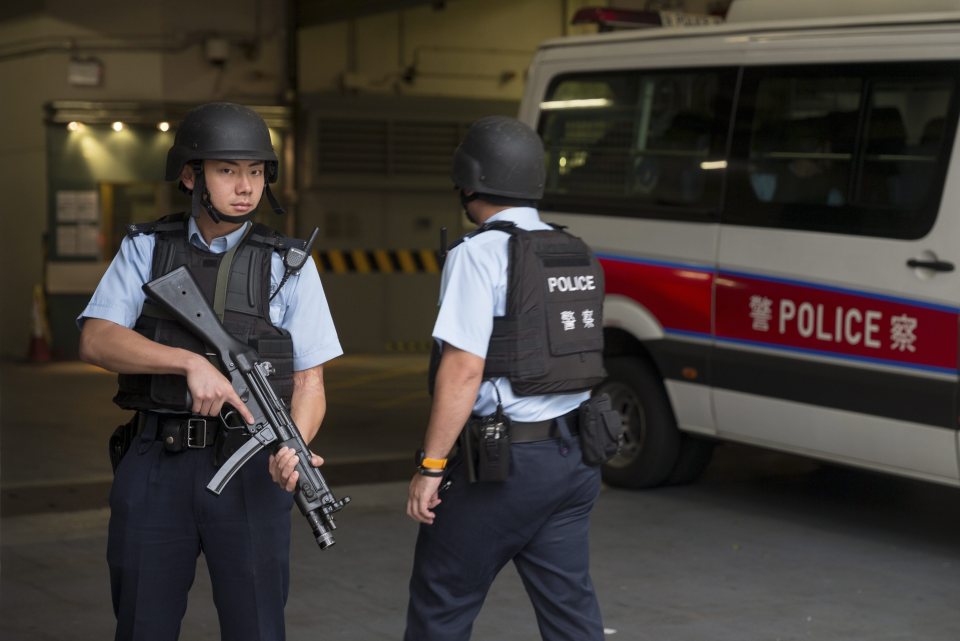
(766, 547)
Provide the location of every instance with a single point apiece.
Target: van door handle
(935, 265)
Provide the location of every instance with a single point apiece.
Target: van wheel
(695, 455)
(650, 444)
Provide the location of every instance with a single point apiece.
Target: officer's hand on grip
(423, 497)
(210, 390)
(283, 467)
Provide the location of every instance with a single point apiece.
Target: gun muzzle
(325, 540)
(321, 532)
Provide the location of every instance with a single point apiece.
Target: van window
(847, 149)
(636, 143)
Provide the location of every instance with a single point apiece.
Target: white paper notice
(80, 206)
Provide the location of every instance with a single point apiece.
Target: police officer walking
(162, 516)
(521, 335)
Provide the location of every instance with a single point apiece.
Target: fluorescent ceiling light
(576, 103)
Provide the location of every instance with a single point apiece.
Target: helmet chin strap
(200, 199)
(277, 209)
(465, 200)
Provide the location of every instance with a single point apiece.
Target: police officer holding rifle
(267, 297)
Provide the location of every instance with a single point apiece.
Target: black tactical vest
(550, 340)
(236, 284)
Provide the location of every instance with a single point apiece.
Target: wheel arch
(620, 312)
(628, 325)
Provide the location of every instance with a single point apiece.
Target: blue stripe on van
(658, 263)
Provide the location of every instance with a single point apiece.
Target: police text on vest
(570, 283)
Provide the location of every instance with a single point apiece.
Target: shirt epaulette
(260, 234)
(173, 222)
(265, 236)
(138, 229)
(499, 225)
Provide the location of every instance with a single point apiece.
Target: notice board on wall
(78, 223)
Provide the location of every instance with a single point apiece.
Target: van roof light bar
(608, 19)
(611, 19)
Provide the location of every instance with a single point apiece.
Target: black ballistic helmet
(221, 131)
(500, 156)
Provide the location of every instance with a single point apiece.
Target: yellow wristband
(433, 463)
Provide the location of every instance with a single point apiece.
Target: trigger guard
(226, 418)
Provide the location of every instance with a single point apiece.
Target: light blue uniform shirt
(473, 290)
(300, 307)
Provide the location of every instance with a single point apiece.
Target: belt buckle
(193, 425)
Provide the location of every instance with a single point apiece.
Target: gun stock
(179, 294)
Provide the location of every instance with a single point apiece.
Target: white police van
(778, 215)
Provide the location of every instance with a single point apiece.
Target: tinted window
(849, 149)
(636, 142)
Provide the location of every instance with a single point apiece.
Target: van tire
(650, 446)
(695, 455)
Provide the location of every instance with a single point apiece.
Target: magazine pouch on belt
(600, 430)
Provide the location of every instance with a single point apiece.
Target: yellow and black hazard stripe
(377, 261)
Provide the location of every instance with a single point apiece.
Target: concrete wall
(467, 49)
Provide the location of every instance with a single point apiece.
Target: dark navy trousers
(539, 518)
(162, 517)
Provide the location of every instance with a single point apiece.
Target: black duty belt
(543, 430)
(183, 432)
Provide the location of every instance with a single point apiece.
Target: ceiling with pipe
(308, 12)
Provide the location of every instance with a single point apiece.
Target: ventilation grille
(386, 147)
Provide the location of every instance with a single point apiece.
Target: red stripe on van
(678, 297)
(790, 315)
(828, 320)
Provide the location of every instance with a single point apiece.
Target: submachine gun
(179, 294)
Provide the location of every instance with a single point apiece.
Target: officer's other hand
(423, 497)
(210, 389)
(283, 467)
